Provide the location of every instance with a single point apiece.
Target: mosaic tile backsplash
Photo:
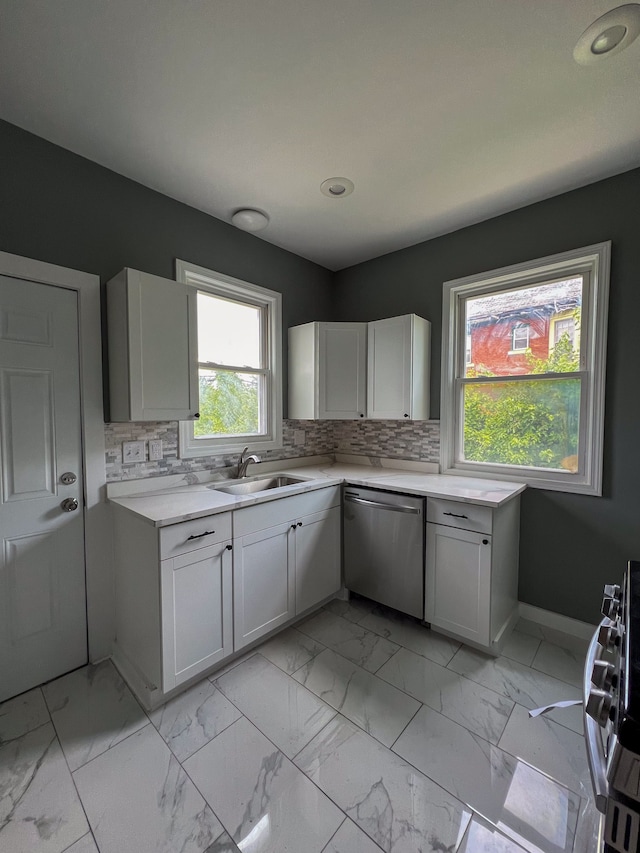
(414, 440)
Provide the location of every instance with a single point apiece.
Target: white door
(458, 582)
(318, 550)
(197, 612)
(389, 368)
(263, 582)
(342, 370)
(43, 630)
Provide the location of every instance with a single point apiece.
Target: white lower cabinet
(460, 582)
(197, 608)
(174, 606)
(317, 557)
(263, 582)
(286, 559)
(471, 581)
(190, 594)
(282, 571)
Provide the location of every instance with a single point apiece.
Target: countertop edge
(378, 478)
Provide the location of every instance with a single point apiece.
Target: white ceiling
(442, 112)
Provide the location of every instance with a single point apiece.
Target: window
(564, 326)
(538, 418)
(239, 376)
(467, 352)
(520, 337)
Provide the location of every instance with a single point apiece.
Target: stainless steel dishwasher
(384, 548)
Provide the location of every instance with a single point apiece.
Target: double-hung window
(520, 337)
(239, 369)
(531, 405)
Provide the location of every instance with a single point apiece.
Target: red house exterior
(505, 330)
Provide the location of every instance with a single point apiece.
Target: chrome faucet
(243, 463)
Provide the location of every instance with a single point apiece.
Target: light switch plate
(155, 449)
(133, 451)
(298, 437)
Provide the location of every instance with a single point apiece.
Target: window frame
(228, 287)
(593, 262)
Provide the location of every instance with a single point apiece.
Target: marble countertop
(170, 504)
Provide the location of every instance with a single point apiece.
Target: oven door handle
(593, 740)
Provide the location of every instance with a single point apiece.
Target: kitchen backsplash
(414, 440)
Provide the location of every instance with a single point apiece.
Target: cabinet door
(152, 348)
(196, 612)
(342, 370)
(458, 587)
(263, 582)
(317, 558)
(389, 369)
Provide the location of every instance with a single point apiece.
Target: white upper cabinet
(356, 370)
(398, 368)
(152, 348)
(328, 371)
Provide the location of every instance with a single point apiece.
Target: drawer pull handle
(455, 515)
(485, 541)
(229, 547)
(200, 535)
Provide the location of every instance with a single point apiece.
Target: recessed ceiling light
(337, 187)
(248, 219)
(611, 33)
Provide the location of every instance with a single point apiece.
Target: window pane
(516, 332)
(229, 404)
(534, 424)
(228, 332)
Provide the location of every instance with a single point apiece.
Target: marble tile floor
(356, 731)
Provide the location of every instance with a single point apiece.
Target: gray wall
(570, 544)
(58, 207)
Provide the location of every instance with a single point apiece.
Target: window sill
(570, 483)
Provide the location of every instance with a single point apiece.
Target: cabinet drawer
(278, 511)
(191, 535)
(456, 514)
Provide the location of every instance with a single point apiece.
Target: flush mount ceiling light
(337, 187)
(610, 34)
(248, 219)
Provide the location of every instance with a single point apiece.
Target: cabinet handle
(200, 535)
(299, 524)
(485, 541)
(455, 515)
(293, 526)
(406, 416)
(229, 547)
(196, 415)
(361, 415)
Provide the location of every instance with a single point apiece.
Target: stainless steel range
(612, 713)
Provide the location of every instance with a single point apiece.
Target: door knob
(69, 504)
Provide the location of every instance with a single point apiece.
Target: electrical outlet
(298, 437)
(155, 449)
(133, 451)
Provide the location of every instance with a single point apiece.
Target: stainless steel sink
(263, 484)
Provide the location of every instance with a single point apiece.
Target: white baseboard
(583, 630)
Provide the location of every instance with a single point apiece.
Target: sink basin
(249, 486)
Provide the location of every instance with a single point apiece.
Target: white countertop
(169, 504)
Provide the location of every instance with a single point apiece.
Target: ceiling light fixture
(611, 33)
(248, 219)
(337, 187)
